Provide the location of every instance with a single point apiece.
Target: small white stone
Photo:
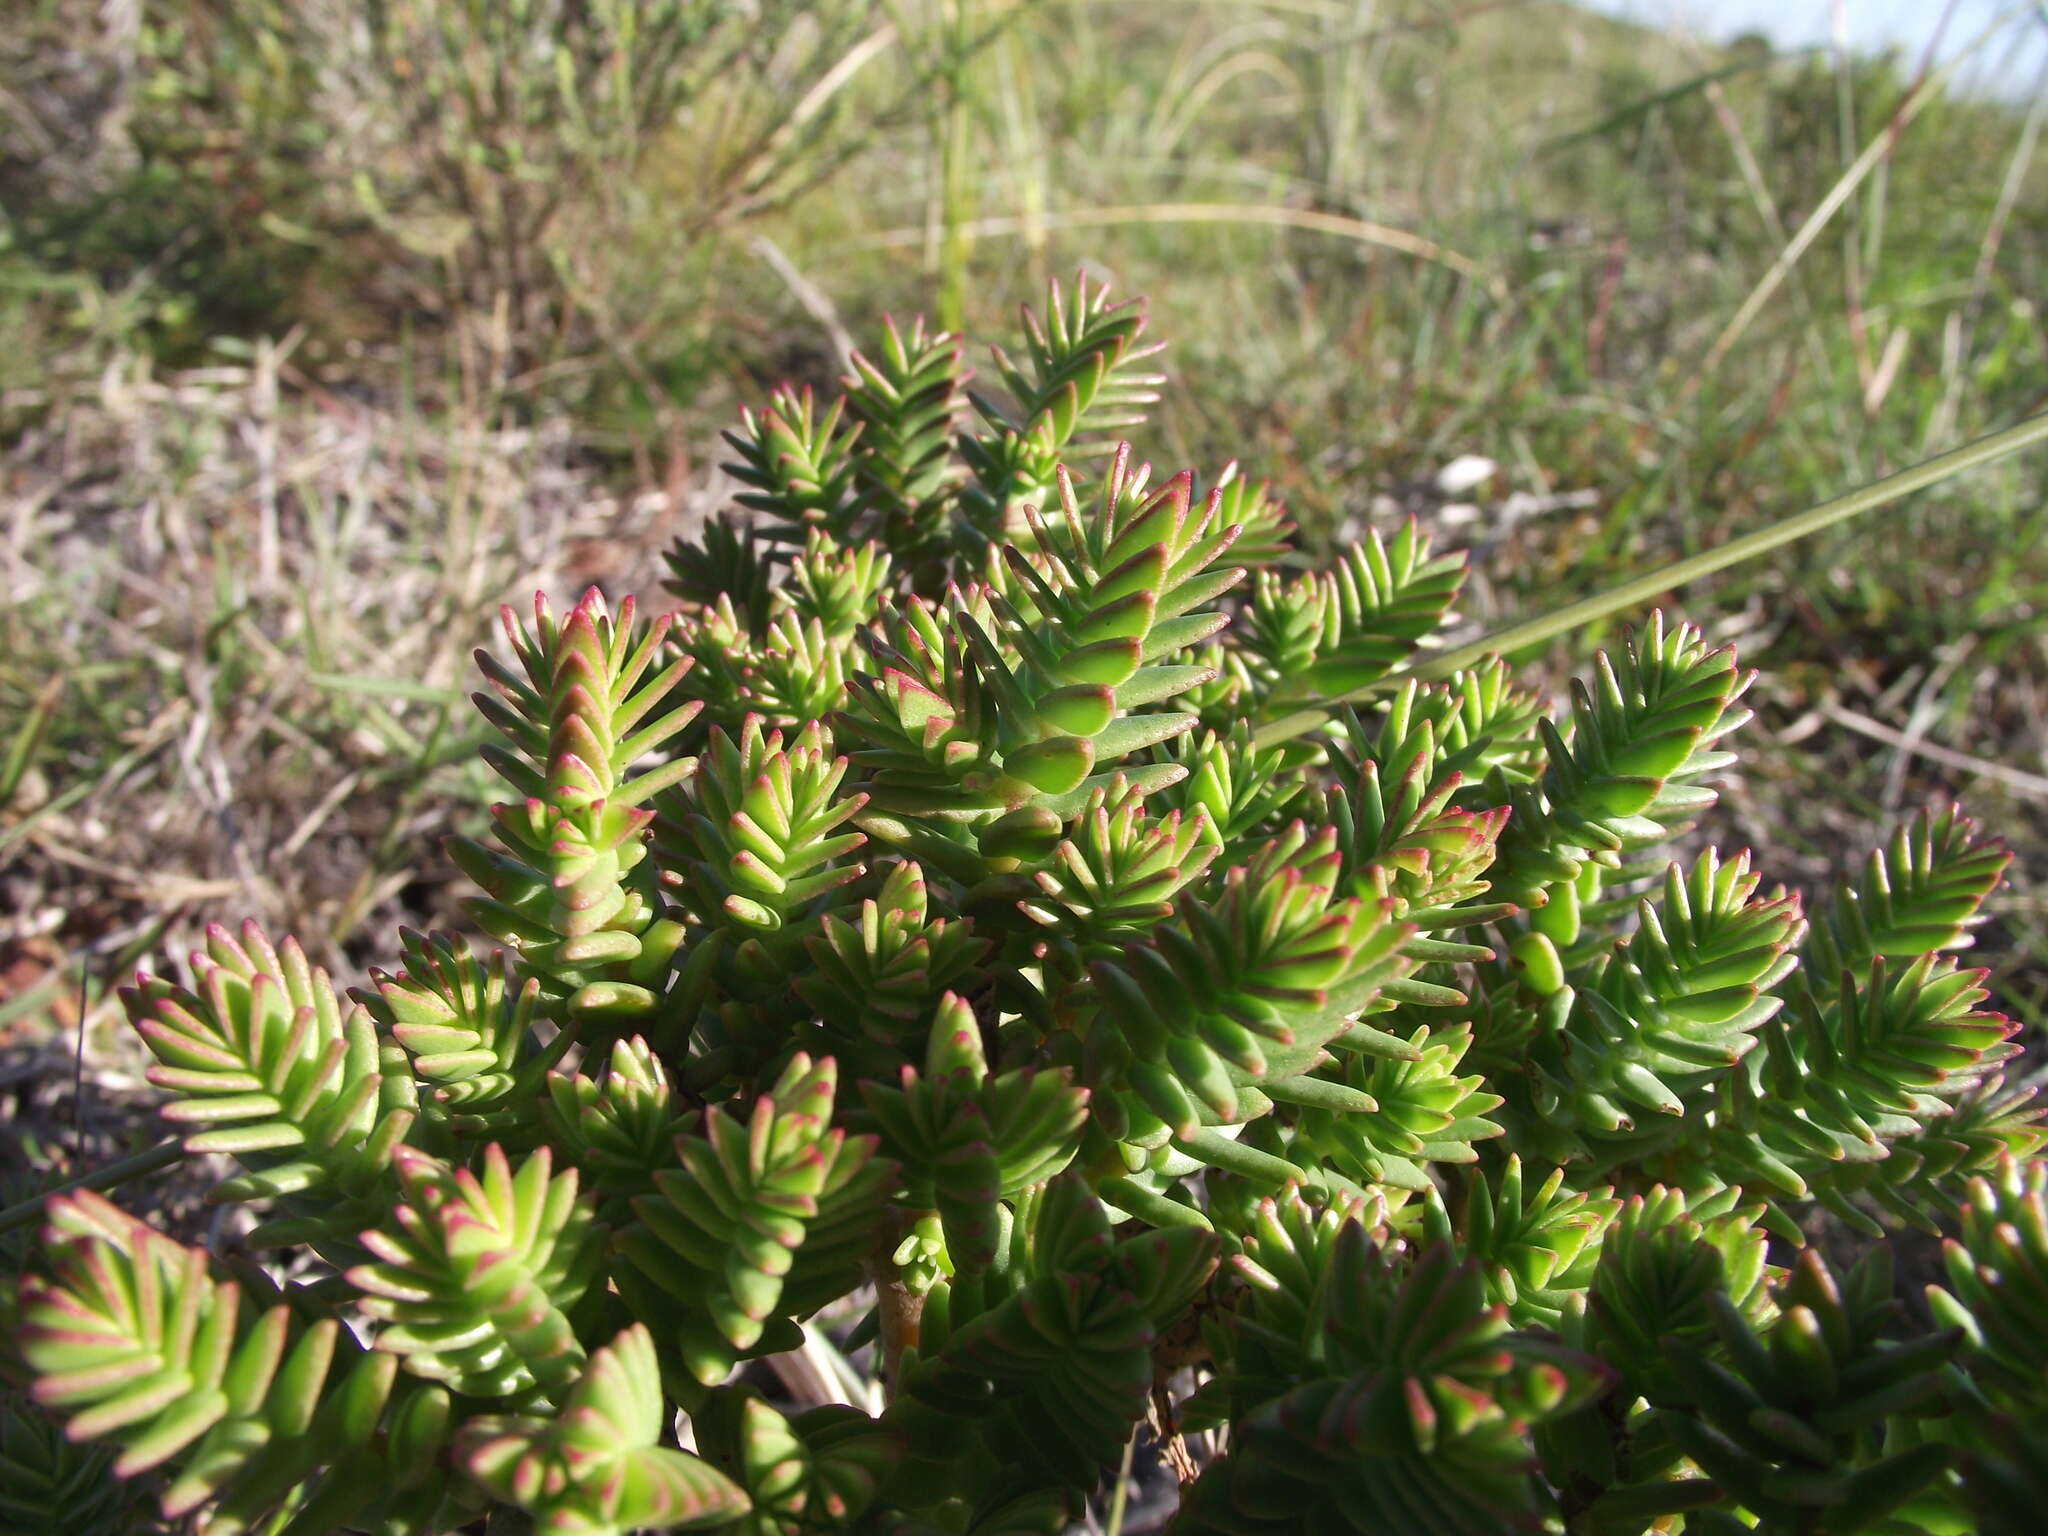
(1467, 472)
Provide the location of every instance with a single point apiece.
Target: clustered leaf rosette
(568, 887)
(761, 1218)
(273, 1069)
(140, 1341)
(53, 1484)
(1389, 1394)
(1025, 959)
(598, 1466)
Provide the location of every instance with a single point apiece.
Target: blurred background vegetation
(326, 325)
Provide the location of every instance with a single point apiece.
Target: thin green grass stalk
(1630, 113)
(955, 134)
(1026, 159)
(140, 1165)
(27, 1004)
(1641, 589)
(57, 804)
(1120, 1500)
(28, 739)
(1344, 112)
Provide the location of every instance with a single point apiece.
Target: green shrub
(926, 938)
(555, 173)
(503, 142)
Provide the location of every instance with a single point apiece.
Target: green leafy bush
(926, 948)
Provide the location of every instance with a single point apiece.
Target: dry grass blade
(1359, 231)
(1942, 426)
(2016, 779)
(219, 719)
(1874, 154)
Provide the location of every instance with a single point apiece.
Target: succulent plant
(926, 937)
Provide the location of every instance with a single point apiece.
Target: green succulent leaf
(765, 1217)
(570, 891)
(598, 1468)
(49, 1484)
(270, 1066)
(1788, 1424)
(796, 464)
(476, 1273)
(1644, 737)
(250, 1411)
(822, 1470)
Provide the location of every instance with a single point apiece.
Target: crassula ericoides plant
(940, 1033)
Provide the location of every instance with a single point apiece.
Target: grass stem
(1641, 589)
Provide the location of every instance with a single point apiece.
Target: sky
(2010, 64)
